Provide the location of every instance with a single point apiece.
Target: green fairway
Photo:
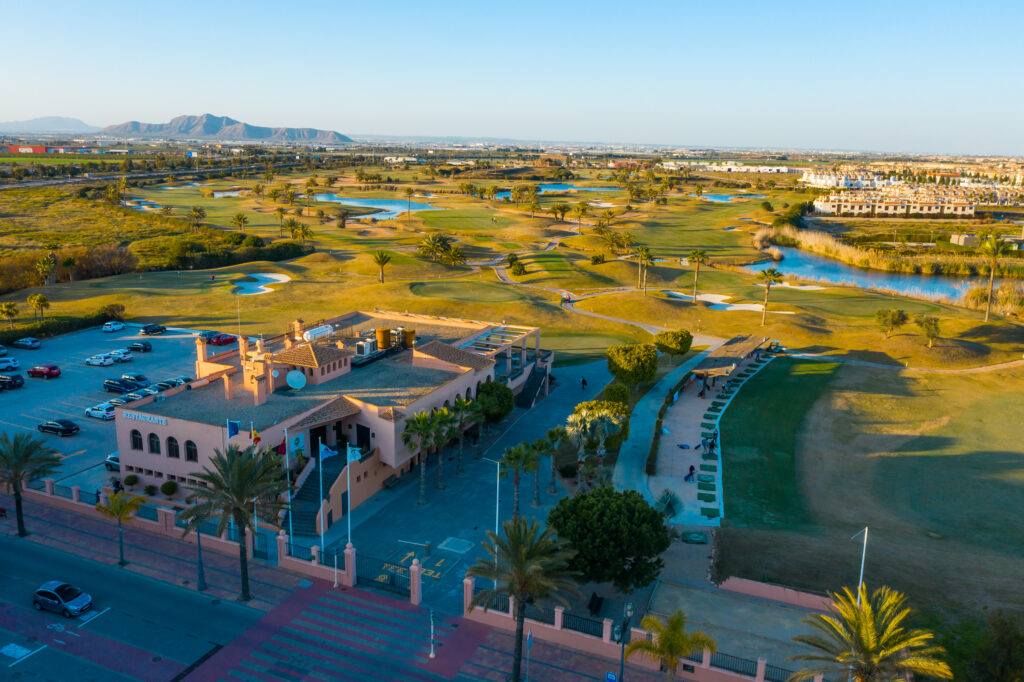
(465, 291)
(572, 348)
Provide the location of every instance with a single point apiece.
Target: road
(139, 628)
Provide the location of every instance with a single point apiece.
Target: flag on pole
(354, 454)
(256, 438)
(326, 452)
(233, 428)
(282, 448)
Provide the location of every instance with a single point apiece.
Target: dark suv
(140, 347)
(151, 329)
(119, 386)
(11, 380)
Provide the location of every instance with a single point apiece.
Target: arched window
(191, 453)
(172, 447)
(154, 444)
(136, 440)
(469, 393)
(478, 388)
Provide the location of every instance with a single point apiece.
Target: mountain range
(47, 124)
(210, 127)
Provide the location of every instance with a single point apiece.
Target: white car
(113, 326)
(8, 363)
(104, 411)
(100, 361)
(122, 355)
(149, 390)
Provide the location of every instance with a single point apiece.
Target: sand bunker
(798, 287)
(252, 288)
(718, 302)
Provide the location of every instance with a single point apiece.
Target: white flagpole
(348, 484)
(255, 516)
(288, 473)
(323, 521)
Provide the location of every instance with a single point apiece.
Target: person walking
(583, 383)
(689, 477)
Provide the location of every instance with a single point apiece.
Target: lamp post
(863, 555)
(497, 500)
(627, 616)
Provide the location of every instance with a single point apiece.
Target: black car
(11, 380)
(140, 380)
(151, 329)
(60, 427)
(140, 347)
(119, 386)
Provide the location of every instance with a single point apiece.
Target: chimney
(259, 390)
(243, 348)
(229, 392)
(259, 346)
(200, 356)
(297, 329)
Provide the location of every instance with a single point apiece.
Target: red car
(222, 339)
(44, 371)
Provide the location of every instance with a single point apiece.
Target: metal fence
(332, 555)
(774, 673)
(584, 624)
(541, 615)
(62, 491)
(300, 552)
(498, 602)
(145, 512)
(742, 666)
(88, 498)
(381, 574)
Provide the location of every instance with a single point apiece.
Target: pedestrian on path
(583, 383)
(689, 477)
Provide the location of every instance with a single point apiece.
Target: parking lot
(80, 386)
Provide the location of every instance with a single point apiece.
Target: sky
(942, 77)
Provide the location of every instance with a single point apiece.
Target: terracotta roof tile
(456, 356)
(308, 355)
(333, 411)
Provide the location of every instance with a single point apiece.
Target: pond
(817, 268)
(548, 187)
(390, 208)
(726, 198)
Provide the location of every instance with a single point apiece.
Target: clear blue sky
(901, 76)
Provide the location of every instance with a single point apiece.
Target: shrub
(597, 260)
(617, 393)
(150, 490)
(131, 480)
(253, 241)
(518, 269)
(568, 470)
(633, 364)
(168, 488)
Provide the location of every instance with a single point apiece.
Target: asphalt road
(139, 628)
(80, 386)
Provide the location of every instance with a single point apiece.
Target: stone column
(315, 551)
(250, 545)
(415, 582)
(606, 634)
(508, 360)
(282, 545)
(559, 615)
(76, 494)
(467, 594)
(350, 565)
(165, 520)
(705, 658)
(761, 663)
(49, 486)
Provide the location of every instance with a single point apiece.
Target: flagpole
(255, 516)
(323, 521)
(288, 473)
(348, 486)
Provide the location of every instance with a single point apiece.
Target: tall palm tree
(643, 259)
(280, 211)
(517, 459)
(443, 431)
(300, 231)
(196, 216)
(257, 190)
(9, 311)
(380, 259)
(418, 432)
(311, 184)
(555, 437)
(864, 638)
(122, 508)
(698, 257)
(236, 485)
(408, 197)
(526, 563)
(540, 447)
(579, 210)
(239, 220)
(769, 277)
(993, 248)
(534, 207)
(466, 412)
(23, 459)
(40, 304)
(671, 642)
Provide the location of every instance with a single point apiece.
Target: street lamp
(863, 555)
(624, 633)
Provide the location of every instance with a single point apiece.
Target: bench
(391, 481)
(595, 604)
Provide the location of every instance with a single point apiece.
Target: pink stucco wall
(786, 595)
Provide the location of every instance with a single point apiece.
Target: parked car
(113, 326)
(152, 329)
(28, 343)
(44, 371)
(8, 363)
(118, 386)
(164, 385)
(61, 598)
(3, 351)
(149, 390)
(136, 394)
(138, 378)
(118, 402)
(222, 339)
(183, 379)
(11, 380)
(100, 361)
(207, 335)
(121, 355)
(59, 427)
(104, 411)
(140, 346)
(112, 462)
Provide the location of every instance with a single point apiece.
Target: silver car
(61, 598)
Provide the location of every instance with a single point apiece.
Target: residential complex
(908, 203)
(351, 380)
(819, 178)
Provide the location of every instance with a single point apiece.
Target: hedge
(52, 327)
(651, 465)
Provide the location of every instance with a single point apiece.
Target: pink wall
(786, 595)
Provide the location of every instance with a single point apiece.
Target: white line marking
(27, 655)
(93, 617)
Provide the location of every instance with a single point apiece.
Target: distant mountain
(47, 124)
(210, 127)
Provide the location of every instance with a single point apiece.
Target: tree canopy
(633, 364)
(890, 320)
(618, 536)
(496, 401)
(673, 343)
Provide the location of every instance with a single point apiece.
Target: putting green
(476, 292)
(573, 348)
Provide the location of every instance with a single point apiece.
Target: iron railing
(743, 666)
(774, 673)
(583, 624)
(62, 491)
(382, 574)
(300, 552)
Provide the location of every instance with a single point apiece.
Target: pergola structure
(501, 341)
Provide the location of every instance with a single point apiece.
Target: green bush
(150, 490)
(597, 260)
(52, 327)
(518, 269)
(617, 393)
(130, 480)
(567, 470)
(168, 488)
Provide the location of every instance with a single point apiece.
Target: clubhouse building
(350, 380)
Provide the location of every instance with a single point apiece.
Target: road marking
(91, 617)
(27, 655)
(18, 426)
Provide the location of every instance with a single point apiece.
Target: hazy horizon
(915, 78)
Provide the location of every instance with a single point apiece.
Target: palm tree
(992, 247)
(239, 220)
(534, 207)
(237, 484)
(578, 211)
(196, 216)
(23, 459)
(257, 190)
(518, 459)
(864, 638)
(769, 277)
(466, 412)
(419, 432)
(273, 193)
(68, 263)
(643, 259)
(380, 259)
(39, 304)
(671, 642)
(280, 211)
(408, 197)
(555, 437)
(697, 257)
(122, 507)
(9, 311)
(527, 564)
(342, 217)
(443, 431)
(300, 231)
(538, 448)
(310, 186)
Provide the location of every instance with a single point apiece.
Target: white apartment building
(847, 180)
(891, 204)
(723, 167)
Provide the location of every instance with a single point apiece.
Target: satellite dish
(276, 373)
(295, 379)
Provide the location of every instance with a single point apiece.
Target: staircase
(531, 389)
(306, 502)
